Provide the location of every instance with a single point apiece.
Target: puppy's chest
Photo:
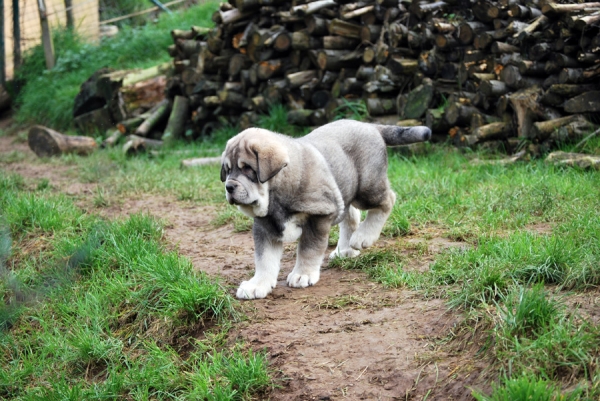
(293, 227)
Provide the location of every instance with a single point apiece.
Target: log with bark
(136, 144)
(177, 120)
(159, 114)
(580, 160)
(46, 142)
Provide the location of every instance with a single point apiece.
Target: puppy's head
(250, 160)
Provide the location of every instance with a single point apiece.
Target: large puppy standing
(299, 188)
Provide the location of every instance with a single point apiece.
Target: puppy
(298, 188)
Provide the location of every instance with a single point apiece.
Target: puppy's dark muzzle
(230, 188)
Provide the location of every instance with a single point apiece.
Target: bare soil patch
(344, 338)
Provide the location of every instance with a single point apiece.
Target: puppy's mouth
(233, 201)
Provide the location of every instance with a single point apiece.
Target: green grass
(531, 230)
(47, 96)
(528, 227)
(526, 388)
(101, 309)
(536, 336)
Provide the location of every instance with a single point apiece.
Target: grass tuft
(523, 388)
(241, 222)
(535, 336)
(527, 312)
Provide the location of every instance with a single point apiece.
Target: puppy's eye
(247, 170)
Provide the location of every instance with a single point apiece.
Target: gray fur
(310, 184)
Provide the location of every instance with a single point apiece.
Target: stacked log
(488, 72)
(125, 102)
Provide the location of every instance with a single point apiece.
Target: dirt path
(345, 338)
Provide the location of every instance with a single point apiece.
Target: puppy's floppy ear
(271, 157)
(223, 173)
(223, 169)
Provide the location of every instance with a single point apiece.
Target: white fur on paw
(362, 241)
(303, 280)
(253, 290)
(346, 253)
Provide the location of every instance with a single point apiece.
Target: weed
(353, 110)
(397, 225)
(276, 119)
(527, 312)
(43, 184)
(482, 286)
(100, 198)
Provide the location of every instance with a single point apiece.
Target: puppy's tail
(394, 135)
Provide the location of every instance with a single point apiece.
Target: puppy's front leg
(310, 253)
(267, 257)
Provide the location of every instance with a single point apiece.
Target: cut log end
(45, 142)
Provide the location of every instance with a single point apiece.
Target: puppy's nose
(230, 188)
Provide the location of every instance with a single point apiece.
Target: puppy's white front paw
(346, 253)
(360, 240)
(297, 280)
(254, 289)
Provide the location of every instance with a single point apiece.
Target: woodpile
(494, 73)
(127, 104)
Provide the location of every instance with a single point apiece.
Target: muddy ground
(345, 338)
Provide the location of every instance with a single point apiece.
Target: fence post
(46, 35)
(2, 51)
(69, 9)
(16, 36)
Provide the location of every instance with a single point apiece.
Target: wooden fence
(86, 21)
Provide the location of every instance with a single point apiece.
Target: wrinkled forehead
(238, 152)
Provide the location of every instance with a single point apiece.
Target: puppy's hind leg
(347, 227)
(310, 253)
(369, 230)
